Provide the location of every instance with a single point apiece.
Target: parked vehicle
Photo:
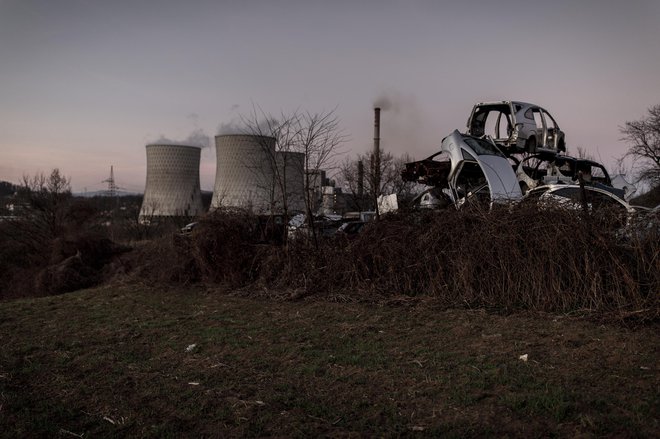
(188, 228)
(598, 199)
(350, 229)
(468, 169)
(517, 127)
(325, 226)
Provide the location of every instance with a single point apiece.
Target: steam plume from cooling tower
(196, 138)
(241, 125)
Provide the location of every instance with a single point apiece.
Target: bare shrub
(550, 260)
(225, 247)
(167, 259)
(68, 275)
(554, 260)
(39, 259)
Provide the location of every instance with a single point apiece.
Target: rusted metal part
(428, 171)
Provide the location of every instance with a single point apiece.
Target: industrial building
(172, 188)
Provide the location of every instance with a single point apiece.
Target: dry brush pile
(551, 260)
(554, 260)
(38, 258)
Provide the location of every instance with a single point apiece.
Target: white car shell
(464, 151)
(569, 196)
(517, 126)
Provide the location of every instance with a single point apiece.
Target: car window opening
(471, 182)
(482, 147)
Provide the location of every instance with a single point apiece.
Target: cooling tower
(172, 187)
(291, 168)
(244, 173)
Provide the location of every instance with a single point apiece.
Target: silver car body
(569, 195)
(466, 153)
(517, 126)
(466, 169)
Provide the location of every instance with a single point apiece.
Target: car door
(551, 129)
(495, 120)
(541, 128)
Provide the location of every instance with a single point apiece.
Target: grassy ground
(120, 361)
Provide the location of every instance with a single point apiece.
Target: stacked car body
(511, 151)
(517, 126)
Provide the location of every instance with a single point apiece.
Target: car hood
(501, 178)
(499, 173)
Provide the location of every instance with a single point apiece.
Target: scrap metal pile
(510, 151)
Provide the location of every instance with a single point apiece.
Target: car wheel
(530, 146)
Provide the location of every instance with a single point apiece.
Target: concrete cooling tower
(172, 187)
(244, 172)
(246, 178)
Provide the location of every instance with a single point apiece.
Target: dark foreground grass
(118, 361)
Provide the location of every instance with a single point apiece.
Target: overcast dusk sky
(85, 84)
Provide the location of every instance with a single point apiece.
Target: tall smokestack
(377, 132)
(376, 159)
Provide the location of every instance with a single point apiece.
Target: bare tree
(389, 179)
(643, 138)
(47, 197)
(352, 178)
(304, 142)
(267, 132)
(405, 190)
(319, 138)
(583, 154)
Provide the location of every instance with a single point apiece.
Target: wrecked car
(541, 169)
(350, 229)
(575, 196)
(467, 169)
(517, 127)
(602, 200)
(324, 226)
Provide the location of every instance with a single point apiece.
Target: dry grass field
(131, 360)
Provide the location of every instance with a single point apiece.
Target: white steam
(233, 127)
(261, 127)
(196, 138)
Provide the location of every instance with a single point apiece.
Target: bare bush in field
(555, 260)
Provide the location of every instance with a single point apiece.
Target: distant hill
(104, 193)
(7, 188)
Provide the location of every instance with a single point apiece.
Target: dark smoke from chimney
(406, 130)
(383, 103)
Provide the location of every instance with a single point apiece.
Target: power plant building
(172, 188)
(250, 173)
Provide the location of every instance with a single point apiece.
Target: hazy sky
(85, 84)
